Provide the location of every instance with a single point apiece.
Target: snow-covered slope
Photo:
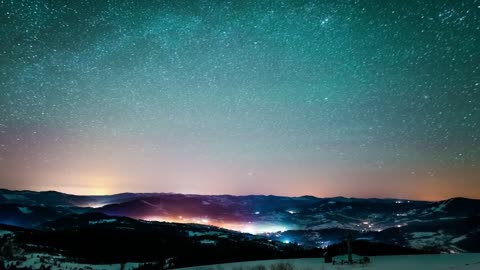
(468, 261)
(37, 261)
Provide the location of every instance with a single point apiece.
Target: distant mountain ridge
(307, 220)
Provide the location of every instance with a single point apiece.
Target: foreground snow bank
(38, 261)
(465, 261)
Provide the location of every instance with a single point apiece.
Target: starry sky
(363, 98)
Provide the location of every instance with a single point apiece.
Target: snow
(208, 242)
(365, 238)
(102, 221)
(422, 234)
(441, 207)
(13, 197)
(450, 218)
(466, 261)
(24, 210)
(412, 212)
(422, 240)
(458, 239)
(58, 262)
(128, 266)
(5, 233)
(192, 234)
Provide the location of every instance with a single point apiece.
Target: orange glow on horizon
(402, 184)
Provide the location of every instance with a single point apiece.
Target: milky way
(354, 98)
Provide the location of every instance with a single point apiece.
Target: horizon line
(239, 195)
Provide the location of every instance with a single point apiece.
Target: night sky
(355, 98)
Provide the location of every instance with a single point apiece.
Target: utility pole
(349, 247)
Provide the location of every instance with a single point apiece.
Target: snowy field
(57, 262)
(470, 261)
(464, 261)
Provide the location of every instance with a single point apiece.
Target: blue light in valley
(324, 244)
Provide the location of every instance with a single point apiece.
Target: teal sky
(353, 98)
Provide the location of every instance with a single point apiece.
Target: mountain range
(276, 226)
